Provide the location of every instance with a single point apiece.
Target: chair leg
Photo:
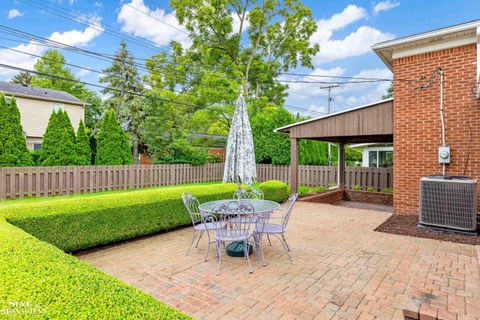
(285, 246)
(191, 243)
(219, 256)
(268, 238)
(200, 237)
(245, 252)
(208, 247)
(285, 240)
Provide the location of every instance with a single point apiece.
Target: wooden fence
(49, 181)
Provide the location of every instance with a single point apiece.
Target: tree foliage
(58, 144)
(83, 146)
(53, 62)
(13, 148)
(24, 78)
(113, 147)
(124, 87)
(389, 93)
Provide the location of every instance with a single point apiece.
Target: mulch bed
(406, 225)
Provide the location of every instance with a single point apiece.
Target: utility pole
(330, 87)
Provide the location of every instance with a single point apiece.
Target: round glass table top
(260, 206)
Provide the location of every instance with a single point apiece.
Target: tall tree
(58, 144)
(13, 148)
(23, 78)
(124, 86)
(277, 38)
(113, 147)
(53, 63)
(84, 152)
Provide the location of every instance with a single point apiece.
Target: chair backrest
(192, 204)
(288, 209)
(243, 214)
(248, 193)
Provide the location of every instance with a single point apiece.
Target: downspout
(442, 118)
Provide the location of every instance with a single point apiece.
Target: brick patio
(341, 270)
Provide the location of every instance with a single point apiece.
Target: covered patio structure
(368, 123)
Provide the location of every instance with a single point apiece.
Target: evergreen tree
(124, 86)
(13, 147)
(389, 93)
(83, 146)
(58, 145)
(113, 147)
(23, 78)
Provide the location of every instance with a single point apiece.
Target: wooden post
(341, 165)
(294, 165)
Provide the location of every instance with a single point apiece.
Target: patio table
(261, 207)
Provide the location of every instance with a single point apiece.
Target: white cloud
(303, 91)
(72, 37)
(354, 44)
(385, 6)
(236, 23)
(83, 72)
(142, 25)
(14, 13)
(314, 110)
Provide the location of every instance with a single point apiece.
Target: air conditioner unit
(448, 202)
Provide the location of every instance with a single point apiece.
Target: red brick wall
(417, 129)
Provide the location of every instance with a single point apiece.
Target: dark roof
(40, 93)
(217, 141)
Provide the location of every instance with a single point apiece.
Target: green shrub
(304, 191)
(84, 153)
(113, 147)
(59, 286)
(357, 188)
(275, 190)
(387, 190)
(371, 189)
(81, 222)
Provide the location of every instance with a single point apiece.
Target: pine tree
(113, 147)
(58, 145)
(23, 78)
(124, 86)
(13, 147)
(83, 146)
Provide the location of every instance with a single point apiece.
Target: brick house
(412, 121)
(416, 122)
(37, 104)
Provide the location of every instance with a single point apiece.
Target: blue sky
(346, 31)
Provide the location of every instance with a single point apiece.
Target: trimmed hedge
(79, 223)
(39, 281)
(275, 190)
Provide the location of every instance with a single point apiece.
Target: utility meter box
(444, 154)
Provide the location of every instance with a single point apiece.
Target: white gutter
(429, 34)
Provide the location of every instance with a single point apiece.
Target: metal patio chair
(248, 193)
(199, 225)
(278, 229)
(238, 229)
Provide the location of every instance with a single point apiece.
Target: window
(372, 159)
(37, 146)
(380, 159)
(385, 158)
(58, 106)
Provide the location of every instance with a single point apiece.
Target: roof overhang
(27, 96)
(368, 123)
(445, 38)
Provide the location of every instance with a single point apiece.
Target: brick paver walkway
(341, 270)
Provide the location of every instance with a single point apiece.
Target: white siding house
(37, 104)
(375, 155)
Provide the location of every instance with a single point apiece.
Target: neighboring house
(375, 154)
(215, 144)
(37, 104)
(412, 121)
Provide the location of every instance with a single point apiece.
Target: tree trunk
(135, 151)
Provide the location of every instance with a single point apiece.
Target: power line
(91, 84)
(153, 17)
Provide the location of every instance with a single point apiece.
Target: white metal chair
(199, 225)
(248, 193)
(238, 229)
(278, 229)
